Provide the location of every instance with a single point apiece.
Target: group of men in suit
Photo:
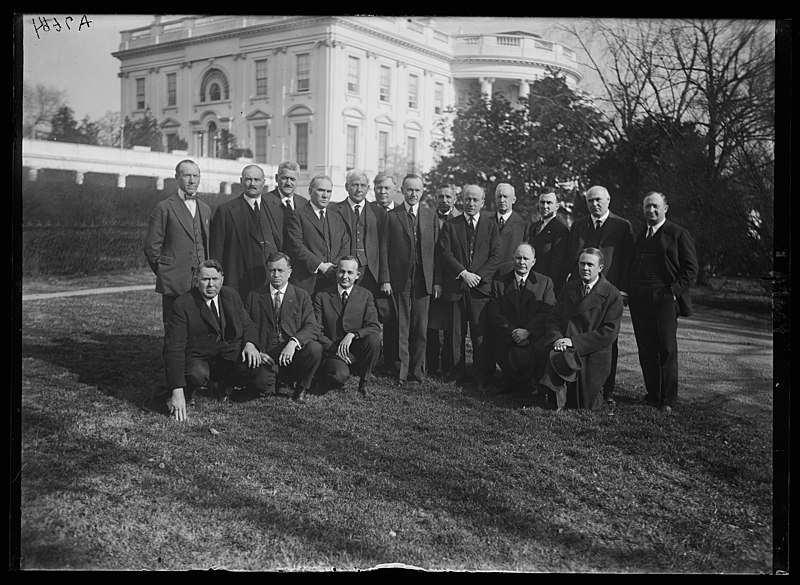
(314, 290)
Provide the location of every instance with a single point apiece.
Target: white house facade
(329, 92)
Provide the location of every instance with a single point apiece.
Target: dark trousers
(608, 386)
(225, 374)
(412, 326)
(655, 325)
(334, 371)
(439, 351)
(470, 313)
(166, 307)
(304, 365)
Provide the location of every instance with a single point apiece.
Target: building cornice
(469, 62)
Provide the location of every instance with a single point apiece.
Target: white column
(121, 179)
(33, 173)
(524, 88)
(79, 177)
(486, 85)
(160, 183)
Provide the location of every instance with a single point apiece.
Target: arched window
(214, 92)
(214, 86)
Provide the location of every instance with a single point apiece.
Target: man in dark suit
(209, 341)
(364, 223)
(469, 249)
(350, 331)
(177, 237)
(283, 199)
(440, 313)
(288, 332)
(549, 238)
(385, 187)
(511, 226)
(244, 234)
(663, 267)
(317, 238)
(614, 236)
(521, 301)
(582, 326)
(406, 273)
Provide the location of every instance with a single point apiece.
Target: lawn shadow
(127, 367)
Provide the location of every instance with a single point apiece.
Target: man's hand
(326, 267)
(562, 344)
(470, 279)
(520, 336)
(437, 291)
(343, 351)
(287, 353)
(624, 296)
(386, 289)
(267, 359)
(177, 405)
(251, 355)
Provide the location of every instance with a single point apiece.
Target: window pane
(261, 144)
(172, 92)
(438, 98)
(413, 91)
(301, 156)
(383, 150)
(353, 66)
(351, 147)
(261, 77)
(140, 94)
(386, 81)
(303, 72)
(411, 154)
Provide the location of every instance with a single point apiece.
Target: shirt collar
(183, 196)
(273, 290)
(594, 282)
(252, 201)
(602, 219)
(341, 290)
(411, 208)
(524, 277)
(476, 217)
(505, 215)
(658, 225)
(353, 204)
(216, 302)
(317, 209)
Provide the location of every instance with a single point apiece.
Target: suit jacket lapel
(314, 216)
(183, 214)
(206, 314)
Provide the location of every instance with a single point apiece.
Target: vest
(199, 241)
(359, 232)
(594, 236)
(645, 274)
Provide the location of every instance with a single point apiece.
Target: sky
(79, 60)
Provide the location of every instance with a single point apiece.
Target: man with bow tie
(521, 301)
(350, 331)
(178, 237)
(210, 341)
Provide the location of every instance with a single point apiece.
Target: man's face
(473, 200)
(287, 180)
(347, 273)
(589, 267)
(504, 199)
(357, 189)
(597, 202)
(320, 193)
(654, 209)
(278, 273)
(252, 182)
(412, 190)
(524, 259)
(547, 205)
(384, 192)
(209, 282)
(188, 177)
(445, 200)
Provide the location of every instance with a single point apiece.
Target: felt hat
(521, 363)
(566, 363)
(386, 308)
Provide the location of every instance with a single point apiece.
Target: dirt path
(726, 359)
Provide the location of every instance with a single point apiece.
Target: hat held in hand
(566, 363)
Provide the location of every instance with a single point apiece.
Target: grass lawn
(439, 477)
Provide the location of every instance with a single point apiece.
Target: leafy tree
(39, 104)
(143, 131)
(64, 128)
(109, 129)
(551, 137)
(228, 149)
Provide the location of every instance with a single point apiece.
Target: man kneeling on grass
(351, 332)
(209, 342)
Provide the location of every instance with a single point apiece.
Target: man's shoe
(363, 388)
(611, 404)
(299, 395)
(667, 409)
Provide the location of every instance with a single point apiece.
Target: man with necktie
(579, 334)
(613, 235)
(549, 237)
(244, 234)
(511, 226)
(663, 267)
(284, 199)
(521, 301)
(316, 238)
(177, 238)
(385, 187)
(469, 254)
(440, 314)
(288, 332)
(350, 330)
(406, 273)
(210, 341)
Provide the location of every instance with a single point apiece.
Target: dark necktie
(520, 284)
(276, 304)
(357, 209)
(501, 222)
(585, 289)
(344, 299)
(325, 235)
(255, 208)
(597, 225)
(214, 310)
(287, 205)
(650, 232)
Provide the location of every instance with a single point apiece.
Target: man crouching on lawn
(209, 341)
